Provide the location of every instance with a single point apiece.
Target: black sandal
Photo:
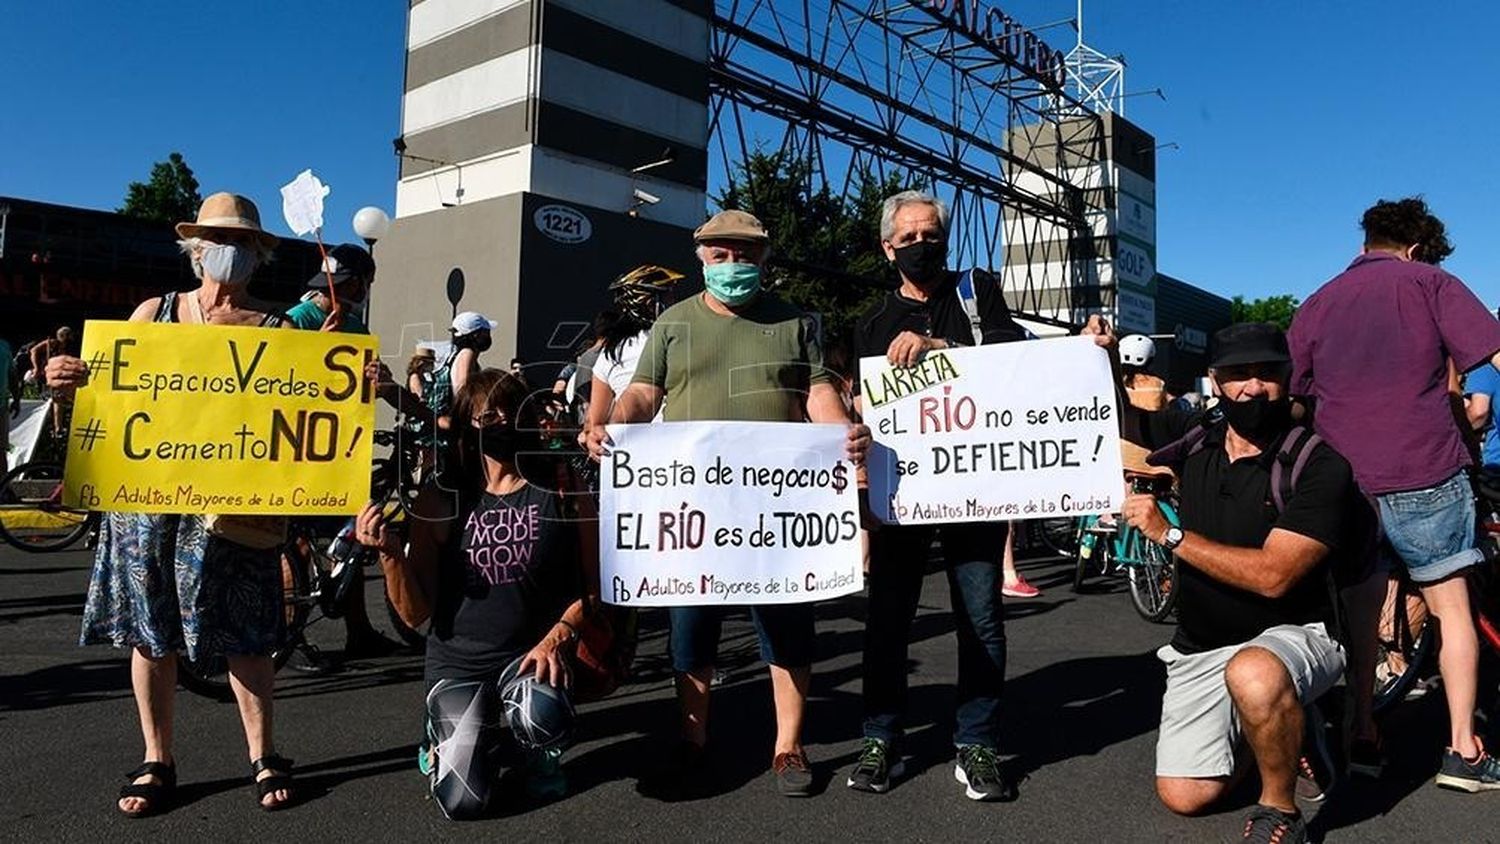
(280, 781)
(158, 795)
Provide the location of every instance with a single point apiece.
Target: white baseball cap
(469, 322)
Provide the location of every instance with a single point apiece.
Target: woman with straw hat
(164, 583)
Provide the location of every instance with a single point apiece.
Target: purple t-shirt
(1372, 346)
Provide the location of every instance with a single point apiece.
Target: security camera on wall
(643, 198)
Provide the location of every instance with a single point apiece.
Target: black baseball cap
(346, 262)
(1249, 342)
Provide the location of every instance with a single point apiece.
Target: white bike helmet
(1137, 350)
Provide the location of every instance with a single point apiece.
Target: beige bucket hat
(227, 211)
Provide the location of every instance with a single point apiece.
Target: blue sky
(1292, 117)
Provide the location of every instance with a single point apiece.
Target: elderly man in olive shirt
(737, 352)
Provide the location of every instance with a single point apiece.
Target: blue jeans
(1432, 530)
(898, 560)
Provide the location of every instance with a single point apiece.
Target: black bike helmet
(638, 293)
(540, 716)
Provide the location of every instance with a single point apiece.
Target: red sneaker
(1019, 589)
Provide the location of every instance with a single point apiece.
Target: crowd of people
(1331, 459)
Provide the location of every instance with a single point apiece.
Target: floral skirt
(162, 583)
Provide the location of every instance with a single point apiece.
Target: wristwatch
(1172, 538)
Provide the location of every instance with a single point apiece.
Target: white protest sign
(1009, 431)
(302, 203)
(715, 513)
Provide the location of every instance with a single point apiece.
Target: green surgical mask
(732, 284)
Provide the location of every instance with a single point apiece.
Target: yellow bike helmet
(638, 293)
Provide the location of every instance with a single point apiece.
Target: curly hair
(1407, 222)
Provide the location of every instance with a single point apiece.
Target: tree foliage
(1277, 310)
(825, 248)
(169, 196)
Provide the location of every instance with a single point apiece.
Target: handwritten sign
(221, 419)
(1008, 431)
(704, 513)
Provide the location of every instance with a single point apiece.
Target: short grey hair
(895, 202)
(188, 244)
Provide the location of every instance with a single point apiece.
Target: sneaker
(793, 775)
(426, 759)
(307, 659)
(1366, 758)
(1315, 766)
(545, 779)
(978, 769)
(1272, 826)
(874, 770)
(1460, 774)
(1019, 589)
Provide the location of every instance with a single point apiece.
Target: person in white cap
(471, 338)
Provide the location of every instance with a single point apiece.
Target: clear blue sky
(1292, 116)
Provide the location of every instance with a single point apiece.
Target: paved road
(1081, 712)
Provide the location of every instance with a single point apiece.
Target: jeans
(1432, 530)
(898, 557)
(785, 632)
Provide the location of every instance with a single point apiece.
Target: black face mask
(499, 441)
(924, 262)
(477, 342)
(1258, 419)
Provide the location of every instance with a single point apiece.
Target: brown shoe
(793, 775)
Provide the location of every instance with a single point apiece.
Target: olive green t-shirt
(755, 366)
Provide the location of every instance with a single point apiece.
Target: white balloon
(371, 223)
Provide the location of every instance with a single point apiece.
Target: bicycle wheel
(1407, 638)
(410, 635)
(1152, 572)
(32, 516)
(210, 677)
(1086, 550)
(1060, 536)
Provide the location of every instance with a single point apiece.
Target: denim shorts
(786, 634)
(1432, 530)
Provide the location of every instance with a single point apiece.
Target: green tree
(1277, 310)
(825, 248)
(170, 196)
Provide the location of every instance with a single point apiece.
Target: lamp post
(371, 224)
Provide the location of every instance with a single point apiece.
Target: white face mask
(228, 263)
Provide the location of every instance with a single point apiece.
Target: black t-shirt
(941, 316)
(502, 583)
(1231, 503)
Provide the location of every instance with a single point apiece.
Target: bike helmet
(1137, 350)
(540, 716)
(638, 292)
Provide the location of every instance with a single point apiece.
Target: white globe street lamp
(371, 224)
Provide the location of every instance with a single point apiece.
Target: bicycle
(318, 571)
(1150, 569)
(33, 517)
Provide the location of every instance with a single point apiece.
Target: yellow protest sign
(221, 419)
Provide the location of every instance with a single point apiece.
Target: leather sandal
(281, 780)
(158, 795)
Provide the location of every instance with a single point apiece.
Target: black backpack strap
(167, 310)
(1291, 458)
(1177, 452)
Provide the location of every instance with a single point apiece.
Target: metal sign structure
(950, 92)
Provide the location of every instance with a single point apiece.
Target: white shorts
(1199, 726)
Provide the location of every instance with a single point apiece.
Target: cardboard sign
(715, 513)
(1009, 431)
(221, 419)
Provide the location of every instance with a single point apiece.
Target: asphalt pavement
(1082, 702)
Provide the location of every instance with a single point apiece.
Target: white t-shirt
(618, 374)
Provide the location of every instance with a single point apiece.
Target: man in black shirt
(1255, 613)
(930, 312)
